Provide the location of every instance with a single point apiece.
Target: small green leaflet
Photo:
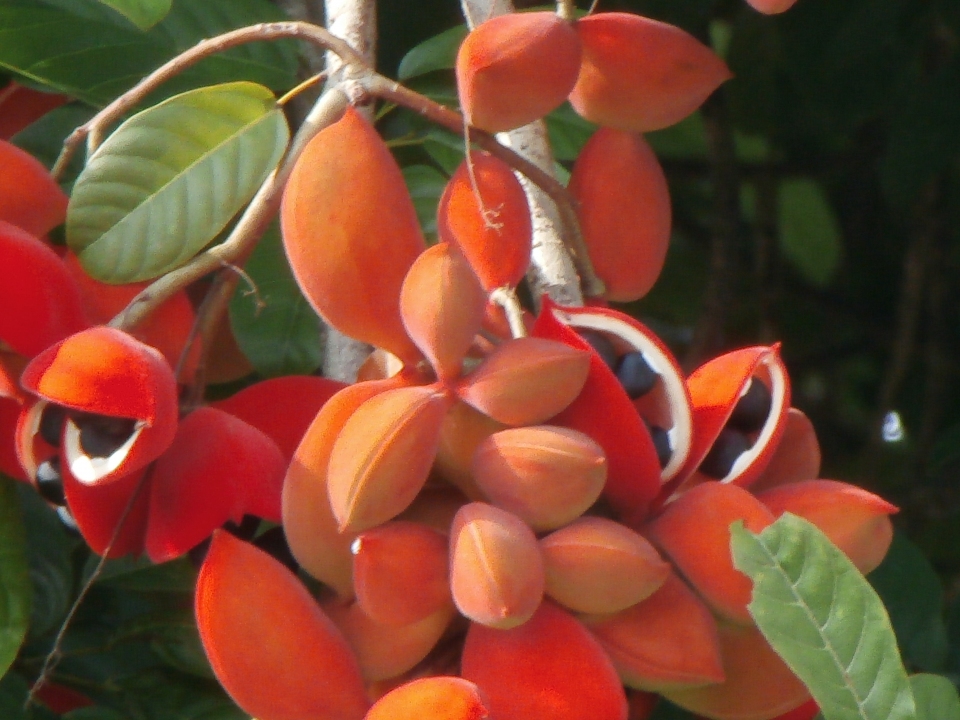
(142, 13)
(823, 618)
(170, 178)
(15, 586)
(809, 232)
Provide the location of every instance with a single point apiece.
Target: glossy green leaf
(808, 230)
(823, 618)
(426, 185)
(141, 575)
(436, 53)
(74, 46)
(14, 576)
(936, 697)
(142, 13)
(913, 595)
(170, 178)
(274, 325)
(13, 691)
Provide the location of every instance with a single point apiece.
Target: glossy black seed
(51, 424)
(603, 345)
(69, 523)
(730, 445)
(274, 542)
(50, 481)
(636, 375)
(752, 409)
(246, 529)
(101, 435)
(661, 441)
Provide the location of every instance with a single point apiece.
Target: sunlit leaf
(936, 697)
(14, 576)
(277, 330)
(142, 13)
(170, 178)
(823, 618)
(809, 232)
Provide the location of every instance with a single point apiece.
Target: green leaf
(436, 53)
(75, 46)
(426, 185)
(51, 570)
(823, 618)
(568, 132)
(936, 697)
(13, 692)
(170, 178)
(809, 232)
(273, 323)
(913, 595)
(142, 13)
(14, 576)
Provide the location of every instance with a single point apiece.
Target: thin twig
(95, 127)
(53, 657)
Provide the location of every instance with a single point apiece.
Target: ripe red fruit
(624, 211)
(514, 69)
(640, 74)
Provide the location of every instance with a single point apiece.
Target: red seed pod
(351, 233)
(694, 532)
(771, 7)
(40, 300)
(431, 698)
(442, 304)
(550, 657)
(757, 684)
(299, 668)
(640, 74)
(740, 402)
(515, 68)
(29, 197)
(20, 106)
(668, 640)
(121, 399)
(218, 468)
(624, 211)
(488, 218)
(605, 412)
(496, 570)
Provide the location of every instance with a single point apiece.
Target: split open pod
(119, 398)
(515, 68)
(634, 402)
(740, 402)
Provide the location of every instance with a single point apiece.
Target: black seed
(66, 517)
(752, 409)
(636, 376)
(729, 445)
(661, 441)
(274, 543)
(246, 529)
(101, 435)
(51, 424)
(603, 346)
(50, 481)
(198, 553)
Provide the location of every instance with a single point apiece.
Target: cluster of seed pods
(518, 525)
(90, 415)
